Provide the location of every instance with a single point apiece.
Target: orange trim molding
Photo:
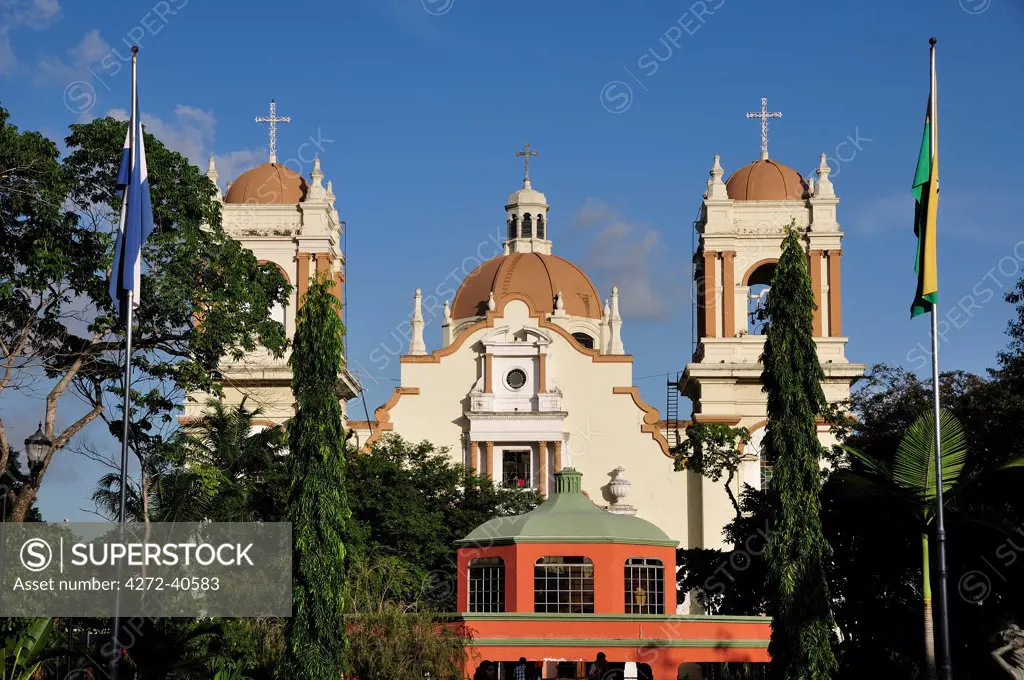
(723, 420)
(489, 322)
(754, 267)
(651, 417)
(383, 415)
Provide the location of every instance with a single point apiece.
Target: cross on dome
(764, 114)
(273, 119)
(525, 154)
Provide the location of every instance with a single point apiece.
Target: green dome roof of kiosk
(567, 516)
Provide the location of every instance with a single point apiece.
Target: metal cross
(273, 119)
(526, 153)
(764, 115)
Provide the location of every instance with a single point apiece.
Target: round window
(515, 378)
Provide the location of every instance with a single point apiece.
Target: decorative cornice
(383, 415)
(652, 419)
(489, 321)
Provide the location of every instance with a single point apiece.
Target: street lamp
(37, 446)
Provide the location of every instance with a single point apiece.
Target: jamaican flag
(926, 197)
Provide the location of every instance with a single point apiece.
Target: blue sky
(417, 106)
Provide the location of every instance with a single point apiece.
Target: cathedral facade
(531, 373)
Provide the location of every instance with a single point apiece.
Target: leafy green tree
(712, 450)
(411, 501)
(204, 297)
(802, 623)
(318, 504)
(910, 479)
(218, 469)
(392, 633)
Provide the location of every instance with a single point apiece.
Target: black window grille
(512, 227)
(645, 586)
(515, 469)
(527, 226)
(563, 585)
(487, 585)
(540, 226)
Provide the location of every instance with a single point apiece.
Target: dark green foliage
(711, 450)
(203, 295)
(317, 505)
(412, 502)
(798, 595)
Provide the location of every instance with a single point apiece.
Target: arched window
(645, 586)
(540, 226)
(527, 226)
(563, 585)
(513, 224)
(758, 284)
(487, 585)
(584, 339)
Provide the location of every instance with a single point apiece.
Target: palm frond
(914, 466)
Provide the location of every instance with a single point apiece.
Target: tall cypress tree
(802, 622)
(317, 505)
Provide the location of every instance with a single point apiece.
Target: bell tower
(742, 224)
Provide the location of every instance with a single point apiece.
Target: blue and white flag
(136, 211)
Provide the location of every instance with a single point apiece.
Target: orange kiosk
(569, 580)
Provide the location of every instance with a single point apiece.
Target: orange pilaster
(709, 293)
(815, 265)
(303, 282)
(542, 373)
(729, 294)
(542, 468)
(488, 373)
(491, 466)
(558, 456)
(835, 307)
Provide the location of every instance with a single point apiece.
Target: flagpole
(126, 414)
(946, 666)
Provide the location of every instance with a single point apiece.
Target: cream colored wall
(601, 429)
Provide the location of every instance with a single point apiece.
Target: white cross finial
(764, 115)
(526, 153)
(273, 120)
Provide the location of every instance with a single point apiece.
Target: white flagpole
(945, 665)
(126, 415)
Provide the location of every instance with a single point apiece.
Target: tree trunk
(22, 503)
(929, 624)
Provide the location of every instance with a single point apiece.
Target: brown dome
(268, 184)
(766, 180)
(533, 275)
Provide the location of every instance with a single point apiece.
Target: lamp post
(37, 445)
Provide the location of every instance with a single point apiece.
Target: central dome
(766, 180)
(537, 276)
(268, 184)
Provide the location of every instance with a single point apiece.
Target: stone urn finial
(618, 489)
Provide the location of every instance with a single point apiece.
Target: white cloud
(89, 50)
(191, 132)
(623, 254)
(36, 14)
